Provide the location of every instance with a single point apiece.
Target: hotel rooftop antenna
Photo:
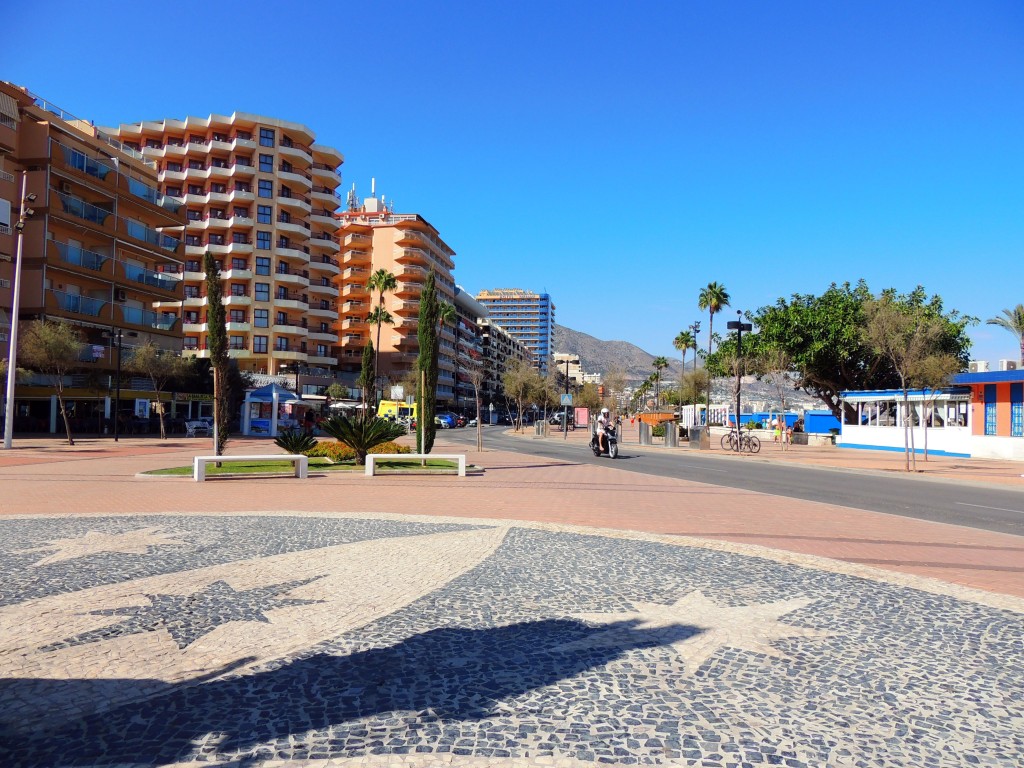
(352, 201)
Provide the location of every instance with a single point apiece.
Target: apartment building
(373, 237)
(469, 351)
(500, 350)
(260, 195)
(527, 316)
(103, 246)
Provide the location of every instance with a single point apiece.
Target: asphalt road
(974, 506)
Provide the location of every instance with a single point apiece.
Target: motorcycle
(611, 444)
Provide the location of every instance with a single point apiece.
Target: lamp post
(24, 214)
(565, 410)
(118, 334)
(739, 326)
(695, 328)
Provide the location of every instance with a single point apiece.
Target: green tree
(335, 392)
(824, 337)
(713, 298)
(614, 382)
(52, 347)
(1013, 321)
(367, 378)
(426, 363)
(517, 382)
(160, 367)
(660, 364)
(382, 281)
(588, 396)
(217, 344)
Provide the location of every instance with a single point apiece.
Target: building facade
(372, 237)
(260, 195)
(527, 316)
(102, 250)
(469, 359)
(500, 350)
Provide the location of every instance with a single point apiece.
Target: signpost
(566, 402)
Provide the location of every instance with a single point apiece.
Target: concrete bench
(372, 457)
(301, 463)
(191, 427)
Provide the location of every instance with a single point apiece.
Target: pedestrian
(776, 431)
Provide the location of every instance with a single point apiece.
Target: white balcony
(237, 301)
(325, 266)
(290, 278)
(290, 330)
(328, 313)
(293, 228)
(194, 328)
(291, 253)
(194, 301)
(326, 244)
(295, 153)
(236, 274)
(299, 306)
(328, 337)
(314, 360)
(289, 354)
(246, 327)
(237, 353)
(323, 290)
(291, 178)
(194, 277)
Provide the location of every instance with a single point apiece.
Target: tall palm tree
(683, 341)
(660, 364)
(714, 298)
(1013, 321)
(379, 316)
(383, 282)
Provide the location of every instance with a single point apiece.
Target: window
(196, 189)
(220, 137)
(321, 350)
(173, 192)
(240, 237)
(286, 166)
(325, 304)
(266, 163)
(262, 291)
(990, 409)
(242, 213)
(324, 281)
(281, 318)
(243, 135)
(264, 214)
(190, 343)
(1017, 410)
(191, 316)
(196, 165)
(281, 345)
(236, 342)
(153, 144)
(175, 167)
(193, 240)
(243, 186)
(236, 316)
(239, 264)
(246, 161)
(219, 162)
(266, 137)
(261, 318)
(285, 217)
(285, 191)
(195, 138)
(191, 291)
(259, 344)
(263, 240)
(238, 289)
(262, 265)
(217, 213)
(216, 240)
(192, 265)
(218, 189)
(194, 215)
(280, 292)
(266, 188)
(284, 242)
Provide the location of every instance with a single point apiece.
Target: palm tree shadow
(448, 674)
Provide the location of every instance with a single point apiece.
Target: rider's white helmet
(604, 411)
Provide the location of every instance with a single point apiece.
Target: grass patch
(229, 467)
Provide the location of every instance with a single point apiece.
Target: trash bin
(645, 433)
(671, 434)
(700, 438)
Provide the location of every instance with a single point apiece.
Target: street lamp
(739, 326)
(24, 214)
(118, 334)
(695, 328)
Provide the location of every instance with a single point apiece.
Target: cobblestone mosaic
(389, 642)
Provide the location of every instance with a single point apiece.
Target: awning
(8, 107)
(958, 394)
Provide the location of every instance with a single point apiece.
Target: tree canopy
(825, 340)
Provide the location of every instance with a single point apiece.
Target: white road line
(982, 506)
(706, 469)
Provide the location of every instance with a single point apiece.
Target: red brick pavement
(99, 476)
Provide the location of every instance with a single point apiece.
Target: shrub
(339, 452)
(294, 441)
(658, 431)
(362, 436)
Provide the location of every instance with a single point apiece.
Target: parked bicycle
(746, 441)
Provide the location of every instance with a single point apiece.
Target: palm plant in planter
(293, 441)
(360, 435)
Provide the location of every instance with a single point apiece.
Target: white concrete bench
(191, 427)
(372, 457)
(301, 463)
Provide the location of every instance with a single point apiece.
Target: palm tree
(683, 341)
(714, 298)
(1013, 321)
(660, 364)
(379, 316)
(383, 282)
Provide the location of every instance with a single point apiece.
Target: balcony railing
(151, 236)
(83, 210)
(327, 191)
(84, 163)
(152, 279)
(144, 317)
(80, 305)
(80, 257)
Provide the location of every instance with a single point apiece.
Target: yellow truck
(397, 410)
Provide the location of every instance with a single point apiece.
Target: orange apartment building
(373, 237)
(102, 251)
(261, 196)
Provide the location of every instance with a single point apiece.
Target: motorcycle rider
(599, 427)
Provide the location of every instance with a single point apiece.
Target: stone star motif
(188, 617)
(135, 542)
(746, 627)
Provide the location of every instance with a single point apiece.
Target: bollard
(671, 434)
(645, 433)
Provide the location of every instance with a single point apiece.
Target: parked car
(448, 419)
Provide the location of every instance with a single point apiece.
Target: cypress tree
(217, 344)
(427, 331)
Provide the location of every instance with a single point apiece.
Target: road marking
(982, 506)
(705, 469)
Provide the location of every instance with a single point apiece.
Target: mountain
(597, 356)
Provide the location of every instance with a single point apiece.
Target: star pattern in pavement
(188, 617)
(713, 627)
(135, 542)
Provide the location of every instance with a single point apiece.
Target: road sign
(566, 400)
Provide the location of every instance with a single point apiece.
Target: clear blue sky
(635, 149)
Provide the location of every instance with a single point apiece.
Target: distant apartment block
(527, 316)
(103, 250)
(372, 237)
(500, 351)
(260, 195)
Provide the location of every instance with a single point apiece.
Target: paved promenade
(540, 612)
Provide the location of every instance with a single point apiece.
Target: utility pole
(739, 326)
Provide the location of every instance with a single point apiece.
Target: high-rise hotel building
(527, 316)
(407, 245)
(260, 195)
(103, 245)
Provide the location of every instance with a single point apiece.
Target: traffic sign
(566, 400)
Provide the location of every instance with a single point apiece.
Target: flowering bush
(338, 452)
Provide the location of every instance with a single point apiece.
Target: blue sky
(634, 150)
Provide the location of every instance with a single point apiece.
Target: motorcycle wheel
(613, 450)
